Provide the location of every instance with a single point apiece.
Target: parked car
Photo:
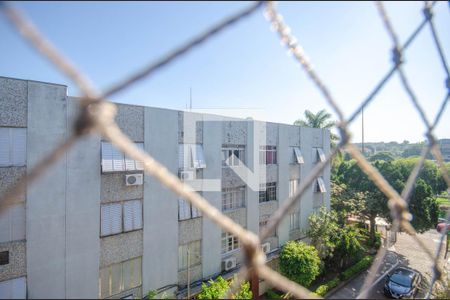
(402, 283)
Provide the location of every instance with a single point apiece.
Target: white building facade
(94, 226)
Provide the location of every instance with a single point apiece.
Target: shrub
(218, 288)
(377, 243)
(325, 288)
(271, 294)
(299, 262)
(358, 267)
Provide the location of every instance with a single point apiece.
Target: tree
(386, 156)
(422, 206)
(346, 202)
(299, 262)
(318, 120)
(217, 289)
(348, 245)
(323, 229)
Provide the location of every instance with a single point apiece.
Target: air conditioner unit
(187, 175)
(266, 248)
(229, 263)
(134, 179)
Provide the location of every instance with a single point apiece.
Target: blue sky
(244, 71)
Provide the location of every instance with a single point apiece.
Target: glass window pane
(104, 282)
(116, 279)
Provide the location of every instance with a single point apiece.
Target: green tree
(386, 156)
(348, 246)
(345, 202)
(321, 119)
(323, 229)
(217, 289)
(299, 262)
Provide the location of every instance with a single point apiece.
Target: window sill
(230, 253)
(122, 232)
(232, 209)
(189, 219)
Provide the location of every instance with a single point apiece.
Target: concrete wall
(283, 179)
(63, 205)
(17, 260)
(189, 230)
(211, 234)
(46, 198)
(120, 247)
(13, 102)
(82, 213)
(160, 260)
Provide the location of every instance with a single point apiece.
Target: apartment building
(444, 146)
(94, 226)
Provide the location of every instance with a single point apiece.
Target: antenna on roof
(190, 99)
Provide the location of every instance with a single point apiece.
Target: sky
(244, 71)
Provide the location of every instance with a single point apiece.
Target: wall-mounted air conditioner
(134, 179)
(229, 263)
(187, 175)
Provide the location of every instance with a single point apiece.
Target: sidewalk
(352, 288)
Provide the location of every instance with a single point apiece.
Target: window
(298, 157)
(319, 155)
(186, 210)
(132, 215)
(14, 288)
(120, 277)
(293, 184)
(267, 155)
(121, 217)
(4, 258)
(233, 198)
(13, 146)
(229, 242)
(191, 156)
(320, 185)
(193, 250)
(294, 221)
(268, 192)
(113, 160)
(12, 223)
(233, 155)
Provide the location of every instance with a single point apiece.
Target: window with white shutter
(320, 185)
(13, 146)
(298, 155)
(132, 215)
(14, 288)
(113, 160)
(184, 209)
(320, 155)
(111, 219)
(12, 223)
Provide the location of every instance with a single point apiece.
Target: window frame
(14, 141)
(236, 198)
(121, 287)
(320, 185)
(119, 161)
(268, 155)
(182, 251)
(267, 191)
(228, 240)
(319, 155)
(298, 156)
(194, 154)
(192, 209)
(229, 158)
(294, 221)
(293, 186)
(122, 219)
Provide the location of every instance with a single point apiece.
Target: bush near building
(299, 262)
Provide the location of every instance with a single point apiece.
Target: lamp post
(188, 274)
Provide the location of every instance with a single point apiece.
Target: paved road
(409, 254)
